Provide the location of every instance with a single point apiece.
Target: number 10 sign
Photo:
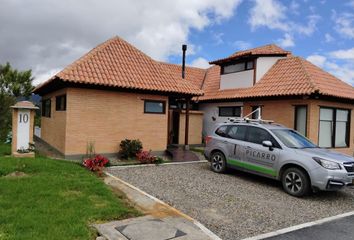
(22, 127)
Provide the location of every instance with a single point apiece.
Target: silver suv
(277, 152)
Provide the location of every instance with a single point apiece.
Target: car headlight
(327, 164)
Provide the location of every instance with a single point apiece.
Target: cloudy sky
(45, 36)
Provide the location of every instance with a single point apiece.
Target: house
(112, 93)
(115, 92)
(288, 89)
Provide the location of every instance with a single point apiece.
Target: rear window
(221, 131)
(237, 132)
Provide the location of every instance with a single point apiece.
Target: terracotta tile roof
(290, 76)
(116, 63)
(192, 74)
(24, 105)
(270, 49)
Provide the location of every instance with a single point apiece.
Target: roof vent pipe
(184, 49)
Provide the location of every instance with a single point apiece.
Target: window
(256, 114)
(152, 106)
(334, 127)
(46, 107)
(221, 131)
(293, 139)
(229, 111)
(237, 67)
(301, 119)
(60, 103)
(258, 135)
(237, 132)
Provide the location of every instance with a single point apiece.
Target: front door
(175, 126)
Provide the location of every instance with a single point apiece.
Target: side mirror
(268, 144)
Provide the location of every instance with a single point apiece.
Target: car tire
(218, 162)
(296, 182)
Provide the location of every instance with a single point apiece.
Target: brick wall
(53, 129)
(107, 117)
(282, 111)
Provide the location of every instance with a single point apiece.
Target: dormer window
(237, 67)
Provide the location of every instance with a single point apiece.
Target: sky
(46, 36)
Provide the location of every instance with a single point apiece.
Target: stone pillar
(22, 128)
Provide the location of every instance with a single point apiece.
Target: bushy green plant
(129, 148)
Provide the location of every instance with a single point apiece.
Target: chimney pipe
(184, 49)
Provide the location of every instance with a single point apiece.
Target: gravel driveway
(233, 205)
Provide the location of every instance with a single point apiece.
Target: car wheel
(218, 162)
(295, 182)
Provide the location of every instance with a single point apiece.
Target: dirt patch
(16, 174)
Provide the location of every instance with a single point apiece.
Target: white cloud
(344, 24)
(316, 59)
(48, 35)
(241, 45)
(339, 63)
(200, 63)
(309, 28)
(328, 38)
(273, 14)
(217, 37)
(343, 54)
(268, 13)
(344, 72)
(287, 41)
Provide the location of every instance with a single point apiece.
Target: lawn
(54, 200)
(5, 149)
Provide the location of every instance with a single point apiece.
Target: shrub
(96, 163)
(146, 157)
(129, 148)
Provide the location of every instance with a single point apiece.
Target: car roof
(269, 126)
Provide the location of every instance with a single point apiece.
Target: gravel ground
(233, 205)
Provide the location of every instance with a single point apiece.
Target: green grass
(5, 149)
(56, 200)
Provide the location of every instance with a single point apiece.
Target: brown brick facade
(283, 112)
(103, 118)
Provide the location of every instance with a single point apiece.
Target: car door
(258, 158)
(220, 140)
(237, 136)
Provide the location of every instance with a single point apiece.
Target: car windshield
(293, 139)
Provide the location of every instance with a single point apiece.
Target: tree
(13, 84)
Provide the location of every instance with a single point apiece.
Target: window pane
(301, 119)
(225, 111)
(154, 107)
(237, 132)
(341, 129)
(221, 131)
(326, 114)
(234, 68)
(249, 65)
(258, 135)
(237, 111)
(342, 115)
(255, 115)
(325, 135)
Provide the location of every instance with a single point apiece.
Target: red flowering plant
(145, 157)
(96, 163)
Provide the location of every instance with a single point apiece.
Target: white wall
(212, 110)
(237, 80)
(264, 64)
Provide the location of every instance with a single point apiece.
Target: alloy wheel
(293, 182)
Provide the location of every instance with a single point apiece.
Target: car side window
(221, 131)
(258, 135)
(237, 132)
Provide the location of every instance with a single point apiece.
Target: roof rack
(249, 120)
